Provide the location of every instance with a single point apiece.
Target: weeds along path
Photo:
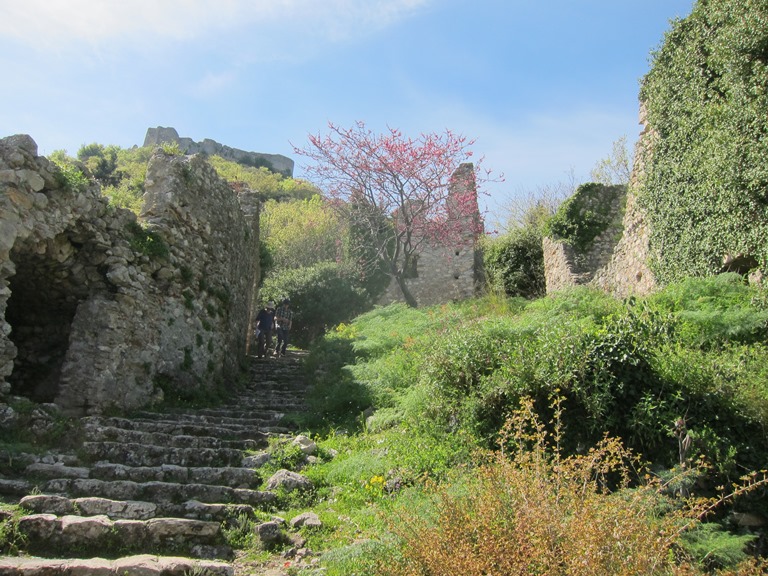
(154, 493)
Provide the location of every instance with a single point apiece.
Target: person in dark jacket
(265, 323)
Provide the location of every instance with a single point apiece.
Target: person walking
(283, 322)
(265, 323)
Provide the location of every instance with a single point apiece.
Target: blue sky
(544, 86)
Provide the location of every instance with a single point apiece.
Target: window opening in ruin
(46, 289)
(411, 267)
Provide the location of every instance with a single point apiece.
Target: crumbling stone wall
(565, 266)
(618, 261)
(443, 274)
(627, 272)
(96, 310)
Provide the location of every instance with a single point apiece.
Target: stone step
(273, 418)
(132, 454)
(181, 428)
(51, 535)
(157, 492)
(226, 421)
(15, 486)
(133, 509)
(144, 565)
(95, 433)
(224, 476)
(216, 419)
(89, 506)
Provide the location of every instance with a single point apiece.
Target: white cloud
(49, 24)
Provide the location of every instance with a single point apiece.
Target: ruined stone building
(452, 271)
(98, 310)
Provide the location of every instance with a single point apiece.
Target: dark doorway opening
(45, 291)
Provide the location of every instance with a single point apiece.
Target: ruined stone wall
(452, 271)
(627, 272)
(277, 162)
(443, 274)
(96, 311)
(565, 266)
(618, 261)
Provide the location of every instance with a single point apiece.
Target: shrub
(531, 510)
(71, 175)
(514, 263)
(146, 241)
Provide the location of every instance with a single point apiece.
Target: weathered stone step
(264, 420)
(262, 402)
(259, 424)
(15, 486)
(94, 433)
(132, 454)
(157, 492)
(144, 565)
(48, 534)
(133, 509)
(177, 428)
(89, 506)
(223, 476)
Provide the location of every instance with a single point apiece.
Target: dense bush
(414, 398)
(514, 263)
(586, 214)
(531, 510)
(706, 184)
(302, 233)
(694, 352)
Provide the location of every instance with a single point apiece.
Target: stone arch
(51, 278)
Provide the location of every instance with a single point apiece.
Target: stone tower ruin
(449, 271)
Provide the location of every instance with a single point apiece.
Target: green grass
(409, 398)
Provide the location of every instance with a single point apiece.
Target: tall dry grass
(531, 511)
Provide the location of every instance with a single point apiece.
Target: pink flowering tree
(398, 194)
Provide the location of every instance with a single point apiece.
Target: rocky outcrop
(275, 162)
(99, 309)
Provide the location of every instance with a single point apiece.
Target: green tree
(302, 233)
(322, 295)
(706, 185)
(101, 161)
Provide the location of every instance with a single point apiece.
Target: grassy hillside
(510, 436)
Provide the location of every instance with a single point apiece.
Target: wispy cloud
(56, 24)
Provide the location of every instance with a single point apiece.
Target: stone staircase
(155, 492)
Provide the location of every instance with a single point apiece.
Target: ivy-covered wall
(705, 191)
